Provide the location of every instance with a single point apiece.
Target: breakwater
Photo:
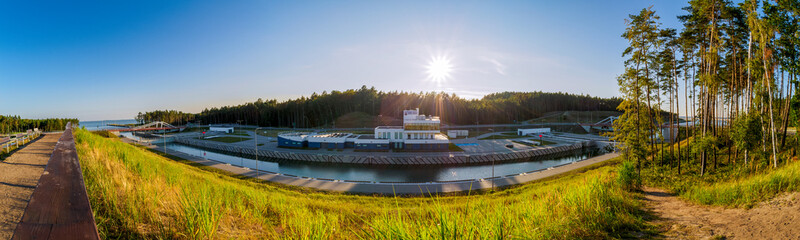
(403, 158)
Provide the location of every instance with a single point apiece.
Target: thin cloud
(498, 67)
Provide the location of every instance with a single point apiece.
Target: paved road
(393, 188)
(19, 175)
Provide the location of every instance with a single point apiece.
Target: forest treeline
(737, 67)
(170, 116)
(12, 124)
(323, 109)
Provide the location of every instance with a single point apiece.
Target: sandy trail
(19, 175)
(778, 218)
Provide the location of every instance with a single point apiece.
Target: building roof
(293, 134)
(330, 135)
(366, 136)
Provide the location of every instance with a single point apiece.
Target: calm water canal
(100, 125)
(387, 173)
(367, 172)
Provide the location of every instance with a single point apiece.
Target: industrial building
(418, 133)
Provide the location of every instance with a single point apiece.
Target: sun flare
(439, 68)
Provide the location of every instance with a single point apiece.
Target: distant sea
(100, 125)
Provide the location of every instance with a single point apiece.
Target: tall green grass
(747, 191)
(731, 182)
(138, 194)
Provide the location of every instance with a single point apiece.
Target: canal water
(376, 173)
(101, 125)
(387, 173)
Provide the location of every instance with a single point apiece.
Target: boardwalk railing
(59, 207)
(8, 144)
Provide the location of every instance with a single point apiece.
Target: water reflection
(102, 125)
(388, 173)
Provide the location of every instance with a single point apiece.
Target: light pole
(241, 138)
(256, 138)
(492, 174)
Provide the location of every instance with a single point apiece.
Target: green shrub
(627, 177)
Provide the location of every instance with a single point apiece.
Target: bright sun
(439, 68)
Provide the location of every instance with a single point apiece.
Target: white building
(419, 132)
(221, 129)
(533, 131)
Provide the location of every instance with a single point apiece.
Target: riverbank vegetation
(734, 70)
(137, 193)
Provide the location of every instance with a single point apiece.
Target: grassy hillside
(136, 193)
(731, 183)
(747, 191)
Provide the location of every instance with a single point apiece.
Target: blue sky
(111, 59)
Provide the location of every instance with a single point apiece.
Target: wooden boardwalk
(59, 207)
(19, 174)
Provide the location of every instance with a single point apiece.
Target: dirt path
(778, 218)
(19, 175)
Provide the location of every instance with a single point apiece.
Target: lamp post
(256, 138)
(204, 151)
(492, 174)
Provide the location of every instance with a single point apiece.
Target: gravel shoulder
(19, 175)
(778, 218)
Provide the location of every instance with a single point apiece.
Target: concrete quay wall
(387, 158)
